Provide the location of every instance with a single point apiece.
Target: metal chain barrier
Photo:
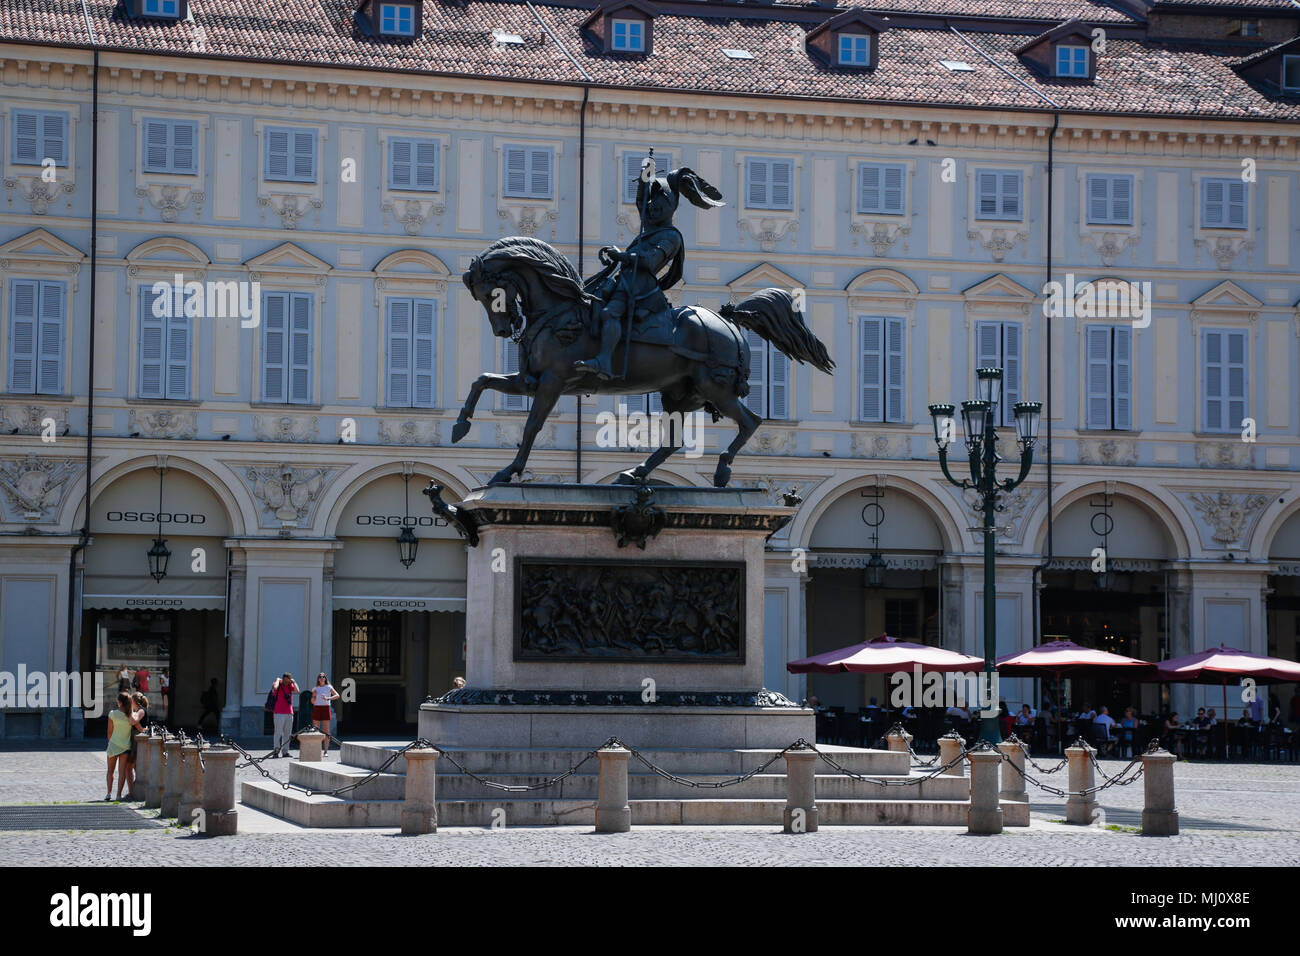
(515, 788)
(799, 744)
(256, 763)
(1116, 781)
(886, 782)
(1024, 746)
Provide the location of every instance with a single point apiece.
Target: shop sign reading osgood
(152, 517)
(401, 521)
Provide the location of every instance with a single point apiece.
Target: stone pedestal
(800, 792)
(572, 639)
(153, 793)
(420, 812)
(1159, 817)
(220, 816)
(171, 795)
(191, 784)
(1012, 795)
(950, 748)
(985, 812)
(899, 740)
(143, 755)
(613, 815)
(309, 746)
(1080, 809)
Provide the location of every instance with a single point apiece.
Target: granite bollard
(1159, 815)
(800, 791)
(1080, 808)
(219, 814)
(613, 815)
(1012, 789)
(420, 811)
(950, 748)
(143, 757)
(985, 812)
(191, 782)
(153, 793)
(310, 743)
(171, 795)
(898, 740)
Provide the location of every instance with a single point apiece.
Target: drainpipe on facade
(582, 219)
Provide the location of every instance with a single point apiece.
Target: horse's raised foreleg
(506, 384)
(549, 388)
(732, 407)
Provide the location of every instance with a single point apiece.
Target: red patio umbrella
(1218, 665)
(1067, 657)
(883, 655)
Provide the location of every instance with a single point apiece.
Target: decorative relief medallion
(1109, 245)
(288, 493)
(286, 428)
(771, 441)
(1225, 454)
(413, 213)
(34, 485)
(1228, 515)
(1107, 451)
(997, 242)
(880, 445)
(165, 423)
(171, 200)
(526, 220)
(510, 434)
(290, 209)
(31, 419)
(1224, 249)
(38, 193)
(881, 236)
(768, 230)
(408, 431)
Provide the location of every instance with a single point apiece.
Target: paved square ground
(1231, 814)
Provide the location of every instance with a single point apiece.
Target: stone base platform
(653, 799)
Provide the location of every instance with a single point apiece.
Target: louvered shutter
(1010, 371)
(779, 386)
(1121, 200)
(49, 378)
(275, 309)
(539, 173)
(633, 403)
(155, 146)
(782, 180)
(894, 370)
(399, 352)
(516, 171)
(54, 130)
(1123, 379)
(277, 154)
(1212, 202)
(756, 183)
(178, 355)
(1098, 342)
(1235, 215)
(424, 352)
(426, 165)
(152, 342)
(1010, 196)
(868, 188)
(300, 348)
(1099, 205)
(892, 198)
(873, 369)
(756, 400)
(185, 147)
(1212, 379)
(986, 184)
(1235, 349)
(399, 164)
(632, 172)
(27, 137)
(22, 335)
(304, 155)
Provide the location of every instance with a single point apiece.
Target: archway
(1282, 608)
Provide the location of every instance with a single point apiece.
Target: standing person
(142, 679)
(321, 695)
(165, 686)
(211, 701)
(139, 713)
(119, 743)
(285, 690)
(124, 679)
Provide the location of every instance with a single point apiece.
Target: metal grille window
(375, 643)
(902, 618)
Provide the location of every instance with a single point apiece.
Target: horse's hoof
(502, 477)
(628, 477)
(459, 430)
(722, 476)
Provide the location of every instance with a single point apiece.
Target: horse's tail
(771, 314)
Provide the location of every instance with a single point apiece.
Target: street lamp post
(981, 445)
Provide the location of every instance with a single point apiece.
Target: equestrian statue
(616, 333)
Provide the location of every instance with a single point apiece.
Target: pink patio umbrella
(1067, 657)
(883, 655)
(1219, 665)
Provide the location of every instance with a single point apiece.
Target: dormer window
(1291, 73)
(397, 19)
(162, 9)
(854, 49)
(1072, 61)
(628, 36)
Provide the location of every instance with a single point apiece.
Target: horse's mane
(551, 268)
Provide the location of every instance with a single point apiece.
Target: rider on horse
(631, 281)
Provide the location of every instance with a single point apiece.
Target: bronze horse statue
(695, 359)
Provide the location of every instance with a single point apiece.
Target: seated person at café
(1104, 719)
(1201, 721)
(1025, 717)
(1088, 713)
(1171, 737)
(1245, 721)
(1103, 725)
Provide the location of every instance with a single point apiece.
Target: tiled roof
(1242, 5)
(1133, 76)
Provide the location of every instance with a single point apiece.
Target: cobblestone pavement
(1231, 814)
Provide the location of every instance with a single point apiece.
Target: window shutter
(873, 367)
(1123, 382)
(49, 380)
(987, 186)
(657, 404)
(178, 355)
(275, 308)
(779, 388)
(277, 154)
(756, 400)
(1121, 199)
(152, 330)
(868, 188)
(26, 137)
(1237, 403)
(1212, 380)
(54, 127)
(510, 366)
(632, 172)
(155, 146)
(1212, 202)
(516, 171)
(756, 176)
(424, 352)
(399, 352)
(1099, 206)
(426, 165)
(184, 144)
(22, 335)
(1098, 341)
(399, 164)
(1236, 205)
(1010, 195)
(304, 155)
(782, 176)
(894, 370)
(893, 190)
(539, 173)
(633, 403)
(1010, 371)
(300, 348)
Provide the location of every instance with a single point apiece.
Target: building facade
(325, 174)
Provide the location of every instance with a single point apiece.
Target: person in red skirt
(321, 696)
